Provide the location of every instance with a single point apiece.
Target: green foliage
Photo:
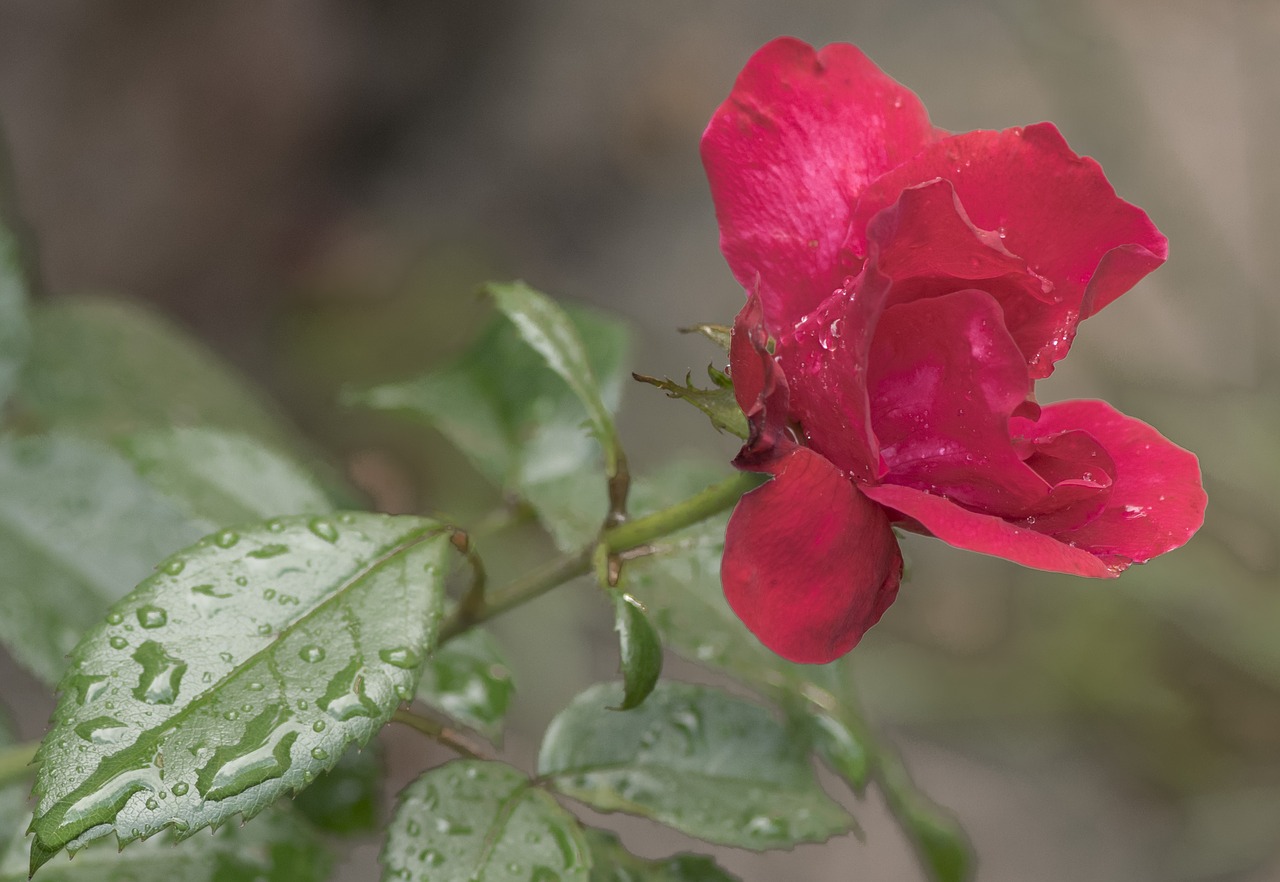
(639, 651)
(473, 819)
(344, 799)
(695, 758)
(468, 679)
(549, 331)
(717, 402)
(237, 673)
(109, 368)
(276, 847)
(78, 529)
(519, 423)
(613, 863)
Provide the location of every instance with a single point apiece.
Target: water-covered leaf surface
(472, 819)
(237, 673)
(611, 862)
(276, 847)
(520, 424)
(695, 758)
(468, 679)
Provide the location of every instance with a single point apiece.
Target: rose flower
(906, 288)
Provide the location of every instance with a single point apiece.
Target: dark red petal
(987, 533)
(1051, 207)
(800, 136)
(825, 358)
(1157, 501)
(760, 388)
(809, 562)
(1079, 471)
(945, 377)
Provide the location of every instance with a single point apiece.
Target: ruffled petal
(1157, 501)
(825, 359)
(986, 533)
(945, 378)
(809, 562)
(1051, 207)
(760, 388)
(800, 136)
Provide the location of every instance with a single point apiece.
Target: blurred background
(316, 187)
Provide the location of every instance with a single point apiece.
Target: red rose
(914, 285)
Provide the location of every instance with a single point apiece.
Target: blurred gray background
(316, 187)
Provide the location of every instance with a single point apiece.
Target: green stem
(617, 539)
(17, 762)
(439, 733)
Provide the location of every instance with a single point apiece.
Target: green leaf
(695, 758)
(345, 799)
(548, 330)
(717, 403)
(237, 673)
(108, 368)
(277, 847)
(936, 836)
(519, 424)
(468, 679)
(721, 335)
(613, 863)
(471, 819)
(639, 650)
(223, 477)
(78, 529)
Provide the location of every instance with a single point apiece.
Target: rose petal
(1080, 472)
(825, 359)
(760, 388)
(809, 562)
(1157, 500)
(787, 154)
(945, 377)
(988, 534)
(1053, 208)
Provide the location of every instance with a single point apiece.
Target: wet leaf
(611, 862)
(223, 477)
(78, 529)
(717, 402)
(345, 799)
(237, 673)
(276, 847)
(548, 330)
(468, 679)
(471, 819)
(639, 651)
(519, 424)
(695, 758)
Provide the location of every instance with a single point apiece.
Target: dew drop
(265, 628)
(324, 529)
(114, 618)
(431, 857)
(319, 726)
(401, 657)
(152, 804)
(231, 715)
(152, 616)
(180, 789)
(226, 657)
(161, 675)
(267, 552)
(413, 828)
(226, 538)
(174, 567)
(450, 827)
(118, 642)
(242, 580)
(275, 525)
(319, 753)
(255, 686)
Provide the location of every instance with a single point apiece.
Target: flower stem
(440, 733)
(17, 762)
(617, 539)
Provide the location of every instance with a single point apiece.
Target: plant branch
(615, 540)
(440, 733)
